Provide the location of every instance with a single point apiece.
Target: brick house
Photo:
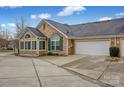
(91, 38)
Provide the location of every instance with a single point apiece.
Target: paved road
(18, 71)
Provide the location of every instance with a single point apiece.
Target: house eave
(96, 37)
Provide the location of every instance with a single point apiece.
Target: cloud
(41, 16)
(119, 14)
(105, 18)
(67, 11)
(11, 24)
(3, 25)
(44, 16)
(33, 16)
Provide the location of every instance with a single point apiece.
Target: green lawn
(6, 50)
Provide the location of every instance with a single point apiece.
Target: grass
(6, 50)
(113, 59)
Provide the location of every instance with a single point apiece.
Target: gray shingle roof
(109, 27)
(65, 28)
(36, 31)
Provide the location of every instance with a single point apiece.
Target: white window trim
(26, 34)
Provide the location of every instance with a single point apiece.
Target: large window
(41, 45)
(22, 45)
(55, 43)
(33, 45)
(27, 45)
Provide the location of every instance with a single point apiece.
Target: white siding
(122, 48)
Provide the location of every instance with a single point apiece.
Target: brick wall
(50, 31)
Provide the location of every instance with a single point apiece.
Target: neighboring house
(3, 43)
(11, 44)
(91, 38)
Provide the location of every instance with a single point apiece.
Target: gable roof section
(62, 28)
(35, 31)
(109, 27)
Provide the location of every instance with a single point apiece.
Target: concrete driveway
(97, 68)
(18, 71)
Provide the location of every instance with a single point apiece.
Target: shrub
(114, 51)
(9, 48)
(50, 53)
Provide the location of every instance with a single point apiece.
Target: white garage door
(93, 47)
(122, 47)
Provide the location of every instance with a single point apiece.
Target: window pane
(29, 45)
(26, 45)
(34, 45)
(42, 45)
(53, 47)
(57, 47)
(57, 43)
(52, 43)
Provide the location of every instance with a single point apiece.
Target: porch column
(31, 47)
(66, 47)
(37, 46)
(24, 44)
(46, 45)
(18, 48)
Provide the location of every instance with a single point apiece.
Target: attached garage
(92, 47)
(122, 48)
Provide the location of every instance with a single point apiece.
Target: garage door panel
(122, 47)
(93, 47)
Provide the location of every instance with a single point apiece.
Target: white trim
(95, 37)
(56, 29)
(67, 48)
(24, 31)
(27, 33)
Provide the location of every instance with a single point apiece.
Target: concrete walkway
(33, 72)
(61, 60)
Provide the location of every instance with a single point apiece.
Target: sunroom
(32, 43)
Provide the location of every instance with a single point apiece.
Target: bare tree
(20, 25)
(3, 33)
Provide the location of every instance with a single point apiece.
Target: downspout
(116, 40)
